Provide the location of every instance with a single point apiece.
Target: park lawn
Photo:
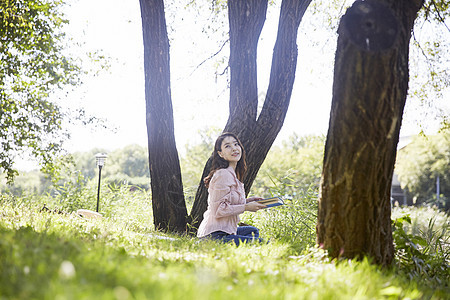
(48, 255)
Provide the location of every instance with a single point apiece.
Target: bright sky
(199, 100)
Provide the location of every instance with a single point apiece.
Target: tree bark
(169, 208)
(369, 94)
(276, 104)
(257, 134)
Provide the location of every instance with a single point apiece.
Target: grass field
(52, 255)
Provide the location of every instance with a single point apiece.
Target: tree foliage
(430, 71)
(131, 160)
(32, 66)
(419, 165)
(124, 166)
(429, 52)
(292, 168)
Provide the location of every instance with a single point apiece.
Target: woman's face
(230, 150)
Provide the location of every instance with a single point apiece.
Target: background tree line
(291, 168)
(423, 167)
(295, 162)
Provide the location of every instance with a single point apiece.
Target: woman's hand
(251, 199)
(254, 206)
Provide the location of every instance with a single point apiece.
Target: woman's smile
(230, 150)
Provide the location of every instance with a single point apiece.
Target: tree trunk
(369, 94)
(169, 208)
(282, 75)
(257, 134)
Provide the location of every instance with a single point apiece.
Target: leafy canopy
(421, 162)
(32, 66)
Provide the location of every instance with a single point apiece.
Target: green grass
(47, 255)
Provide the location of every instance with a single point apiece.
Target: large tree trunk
(257, 134)
(369, 94)
(169, 208)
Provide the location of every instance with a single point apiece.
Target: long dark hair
(220, 163)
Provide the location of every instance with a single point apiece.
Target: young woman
(226, 199)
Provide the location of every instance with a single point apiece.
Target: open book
(271, 202)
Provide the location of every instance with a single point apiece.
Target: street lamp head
(101, 157)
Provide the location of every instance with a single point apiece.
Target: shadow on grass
(42, 265)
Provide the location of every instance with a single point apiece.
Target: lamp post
(100, 157)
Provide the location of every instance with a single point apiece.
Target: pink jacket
(226, 201)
